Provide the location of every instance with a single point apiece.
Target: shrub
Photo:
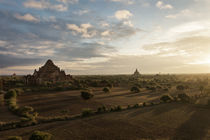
(19, 91)
(25, 110)
(116, 108)
(14, 138)
(184, 97)
(10, 94)
(86, 95)
(136, 106)
(87, 112)
(135, 89)
(106, 89)
(38, 135)
(101, 109)
(110, 85)
(166, 98)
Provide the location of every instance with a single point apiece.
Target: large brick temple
(48, 73)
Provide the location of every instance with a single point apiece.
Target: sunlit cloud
(123, 14)
(27, 17)
(45, 5)
(162, 5)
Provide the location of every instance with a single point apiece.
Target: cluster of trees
(180, 97)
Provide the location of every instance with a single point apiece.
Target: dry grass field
(70, 102)
(175, 121)
(5, 114)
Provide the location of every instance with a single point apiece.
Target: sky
(105, 36)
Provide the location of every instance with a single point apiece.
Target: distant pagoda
(136, 74)
(47, 73)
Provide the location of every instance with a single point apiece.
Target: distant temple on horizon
(136, 74)
(47, 73)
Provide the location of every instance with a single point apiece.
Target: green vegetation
(184, 97)
(19, 91)
(86, 95)
(106, 90)
(135, 90)
(166, 98)
(102, 109)
(39, 135)
(87, 112)
(10, 94)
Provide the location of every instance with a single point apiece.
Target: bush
(38, 135)
(136, 106)
(166, 98)
(135, 89)
(106, 89)
(101, 109)
(110, 85)
(86, 95)
(25, 110)
(14, 138)
(116, 108)
(184, 97)
(10, 94)
(87, 112)
(19, 91)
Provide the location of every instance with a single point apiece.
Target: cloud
(27, 17)
(3, 43)
(191, 48)
(183, 13)
(123, 14)
(82, 29)
(42, 4)
(68, 1)
(81, 12)
(124, 1)
(85, 50)
(7, 61)
(105, 33)
(162, 5)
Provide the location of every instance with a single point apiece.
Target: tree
(39, 135)
(86, 95)
(10, 94)
(201, 88)
(106, 89)
(166, 98)
(184, 97)
(135, 89)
